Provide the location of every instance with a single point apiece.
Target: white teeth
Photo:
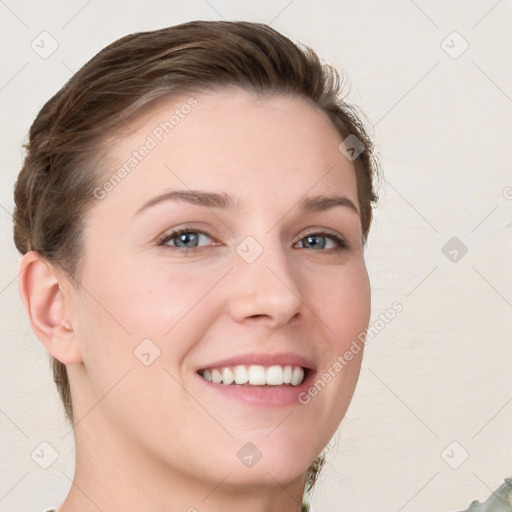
(227, 376)
(256, 375)
(287, 374)
(298, 376)
(216, 376)
(275, 375)
(241, 375)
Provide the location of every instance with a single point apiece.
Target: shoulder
(499, 501)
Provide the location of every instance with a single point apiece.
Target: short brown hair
(55, 186)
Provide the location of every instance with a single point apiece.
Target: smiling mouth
(256, 375)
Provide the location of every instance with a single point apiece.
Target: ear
(43, 293)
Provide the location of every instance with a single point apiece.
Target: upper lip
(263, 359)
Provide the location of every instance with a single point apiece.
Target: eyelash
(338, 240)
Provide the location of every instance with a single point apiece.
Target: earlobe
(43, 295)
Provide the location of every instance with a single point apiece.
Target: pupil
(311, 241)
(185, 237)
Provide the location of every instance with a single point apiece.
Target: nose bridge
(265, 282)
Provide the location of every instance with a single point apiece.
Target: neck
(112, 473)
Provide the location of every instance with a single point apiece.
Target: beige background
(438, 373)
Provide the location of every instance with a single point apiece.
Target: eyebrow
(224, 201)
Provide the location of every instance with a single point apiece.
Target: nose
(266, 291)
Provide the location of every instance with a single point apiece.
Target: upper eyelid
(176, 232)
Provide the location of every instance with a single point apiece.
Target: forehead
(230, 140)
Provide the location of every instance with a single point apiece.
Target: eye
(318, 241)
(184, 240)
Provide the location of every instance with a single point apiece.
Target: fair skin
(160, 437)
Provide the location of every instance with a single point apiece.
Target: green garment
(499, 501)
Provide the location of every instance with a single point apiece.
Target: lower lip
(262, 396)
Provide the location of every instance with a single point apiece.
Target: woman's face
(265, 283)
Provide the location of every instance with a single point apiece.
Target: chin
(273, 463)
(271, 474)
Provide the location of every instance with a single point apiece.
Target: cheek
(147, 299)
(127, 303)
(167, 299)
(342, 301)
